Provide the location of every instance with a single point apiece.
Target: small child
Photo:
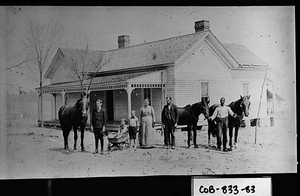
(117, 139)
(123, 129)
(133, 127)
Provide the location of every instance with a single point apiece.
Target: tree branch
(17, 65)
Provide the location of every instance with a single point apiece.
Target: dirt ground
(33, 152)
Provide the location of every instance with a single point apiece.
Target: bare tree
(41, 39)
(85, 64)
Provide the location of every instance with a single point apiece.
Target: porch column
(129, 90)
(63, 93)
(53, 107)
(39, 110)
(163, 89)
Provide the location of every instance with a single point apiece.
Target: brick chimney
(123, 41)
(201, 25)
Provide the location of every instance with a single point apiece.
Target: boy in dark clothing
(98, 125)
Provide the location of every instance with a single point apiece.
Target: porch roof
(109, 82)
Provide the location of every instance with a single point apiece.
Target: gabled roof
(79, 54)
(161, 52)
(244, 56)
(74, 55)
(151, 53)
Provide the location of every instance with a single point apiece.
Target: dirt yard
(34, 152)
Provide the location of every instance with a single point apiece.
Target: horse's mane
(236, 105)
(192, 108)
(76, 105)
(200, 102)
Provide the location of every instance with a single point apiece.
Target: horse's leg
(230, 135)
(236, 132)
(75, 136)
(208, 134)
(189, 136)
(82, 137)
(195, 135)
(66, 131)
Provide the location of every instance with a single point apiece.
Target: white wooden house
(186, 67)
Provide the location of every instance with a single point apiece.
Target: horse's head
(204, 108)
(84, 104)
(245, 104)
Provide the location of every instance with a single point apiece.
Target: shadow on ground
(61, 150)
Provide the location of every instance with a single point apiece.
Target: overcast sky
(267, 31)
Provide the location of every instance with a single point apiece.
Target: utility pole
(261, 93)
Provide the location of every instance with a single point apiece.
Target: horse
(240, 107)
(189, 116)
(74, 116)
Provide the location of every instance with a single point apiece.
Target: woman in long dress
(146, 132)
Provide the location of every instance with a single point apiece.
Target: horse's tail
(60, 111)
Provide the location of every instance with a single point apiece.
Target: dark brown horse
(74, 116)
(239, 107)
(189, 115)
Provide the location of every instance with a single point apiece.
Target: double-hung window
(205, 90)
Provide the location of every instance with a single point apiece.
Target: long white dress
(146, 131)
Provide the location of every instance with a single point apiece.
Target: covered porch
(120, 94)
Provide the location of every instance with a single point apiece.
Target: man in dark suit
(169, 117)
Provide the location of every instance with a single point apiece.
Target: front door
(110, 105)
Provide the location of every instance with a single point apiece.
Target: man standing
(169, 118)
(98, 125)
(221, 113)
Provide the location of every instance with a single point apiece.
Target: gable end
(54, 64)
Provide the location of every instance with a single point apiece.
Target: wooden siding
(120, 104)
(52, 107)
(136, 101)
(202, 65)
(59, 103)
(170, 83)
(156, 103)
(255, 80)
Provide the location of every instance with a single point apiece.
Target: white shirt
(222, 112)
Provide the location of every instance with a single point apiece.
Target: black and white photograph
(102, 91)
